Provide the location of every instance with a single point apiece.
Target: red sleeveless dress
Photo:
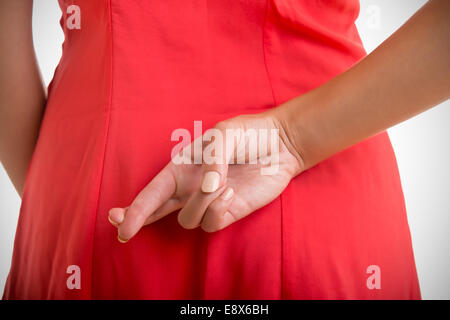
(132, 72)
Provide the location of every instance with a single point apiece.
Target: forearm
(407, 74)
(22, 93)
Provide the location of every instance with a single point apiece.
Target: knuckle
(223, 125)
(137, 208)
(156, 195)
(214, 209)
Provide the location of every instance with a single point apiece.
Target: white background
(421, 145)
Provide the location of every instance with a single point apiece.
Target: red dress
(133, 72)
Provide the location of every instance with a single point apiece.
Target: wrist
(290, 133)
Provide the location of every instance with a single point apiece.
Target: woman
(329, 223)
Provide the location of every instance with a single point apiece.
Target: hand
(233, 180)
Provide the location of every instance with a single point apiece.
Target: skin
(406, 75)
(22, 92)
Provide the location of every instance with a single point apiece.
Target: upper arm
(17, 58)
(21, 85)
(15, 27)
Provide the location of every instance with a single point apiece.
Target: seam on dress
(274, 105)
(264, 53)
(106, 138)
(282, 245)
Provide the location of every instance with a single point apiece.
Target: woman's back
(131, 73)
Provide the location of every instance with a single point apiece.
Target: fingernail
(227, 194)
(120, 239)
(210, 181)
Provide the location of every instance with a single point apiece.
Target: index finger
(153, 196)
